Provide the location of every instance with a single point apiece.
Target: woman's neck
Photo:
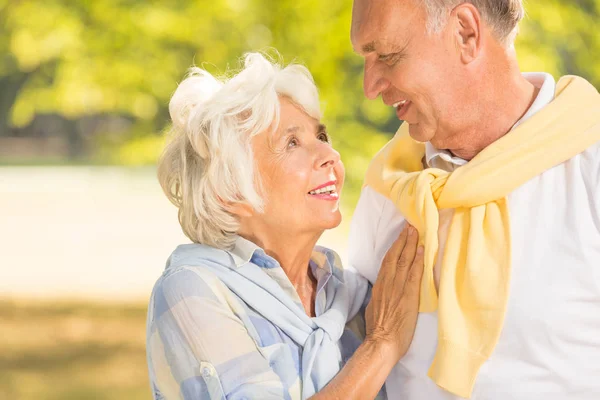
(293, 252)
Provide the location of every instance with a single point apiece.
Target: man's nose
(374, 82)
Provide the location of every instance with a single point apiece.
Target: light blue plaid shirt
(230, 325)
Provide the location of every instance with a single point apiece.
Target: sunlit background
(84, 90)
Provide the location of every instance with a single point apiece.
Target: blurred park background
(84, 91)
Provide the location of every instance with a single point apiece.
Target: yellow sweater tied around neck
(476, 264)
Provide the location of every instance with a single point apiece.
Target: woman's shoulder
(184, 285)
(197, 255)
(190, 274)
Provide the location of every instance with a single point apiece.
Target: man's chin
(417, 132)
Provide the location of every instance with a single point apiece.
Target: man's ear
(467, 27)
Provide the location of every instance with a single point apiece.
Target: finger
(408, 254)
(388, 265)
(397, 247)
(412, 285)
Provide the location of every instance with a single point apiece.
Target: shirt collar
(327, 260)
(547, 85)
(431, 153)
(245, 251)
(242, 251)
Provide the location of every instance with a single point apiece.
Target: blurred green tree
(105, 69)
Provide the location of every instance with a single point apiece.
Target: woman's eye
(324, 137)
(293, 142)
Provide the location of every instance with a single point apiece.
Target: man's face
(413, 71)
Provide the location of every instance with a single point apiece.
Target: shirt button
(206, 372)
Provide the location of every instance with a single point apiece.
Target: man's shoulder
(587, 163)
(375, 225)
(590, 165)
(371, 200)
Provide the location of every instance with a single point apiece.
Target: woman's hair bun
(198, 88)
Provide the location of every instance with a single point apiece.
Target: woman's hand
(391, 318)
(391, 315)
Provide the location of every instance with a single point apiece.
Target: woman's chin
(323, 224)
(333, 221)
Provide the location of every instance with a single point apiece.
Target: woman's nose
(328, 157)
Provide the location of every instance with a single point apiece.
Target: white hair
(503, 16)
(208, 162)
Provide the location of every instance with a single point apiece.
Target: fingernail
(420, 250)
(411, 230)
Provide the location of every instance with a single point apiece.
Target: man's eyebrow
(396, 49)
(369, 47)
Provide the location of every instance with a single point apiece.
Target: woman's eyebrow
(291, 129)
(287, 132)
(283, 134)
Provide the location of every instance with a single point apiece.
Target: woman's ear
(239, 209)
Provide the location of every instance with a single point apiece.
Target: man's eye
(389, 59)
(293, 142)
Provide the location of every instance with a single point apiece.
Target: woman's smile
(327, 191)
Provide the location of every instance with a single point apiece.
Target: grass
(72, 351)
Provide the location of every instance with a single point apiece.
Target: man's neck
(513, 96)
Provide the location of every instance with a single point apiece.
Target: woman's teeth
(326, 189)
(400, 103)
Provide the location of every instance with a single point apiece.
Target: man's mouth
(402, 108)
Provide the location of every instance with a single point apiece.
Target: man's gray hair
(502, 16)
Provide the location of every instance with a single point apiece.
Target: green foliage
(125, 57)
(561, 37)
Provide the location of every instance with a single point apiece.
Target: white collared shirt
(550, 344)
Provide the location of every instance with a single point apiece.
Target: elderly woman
(254, 309)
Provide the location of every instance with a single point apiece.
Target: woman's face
(301, 173)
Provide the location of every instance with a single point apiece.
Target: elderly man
(500, 173)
